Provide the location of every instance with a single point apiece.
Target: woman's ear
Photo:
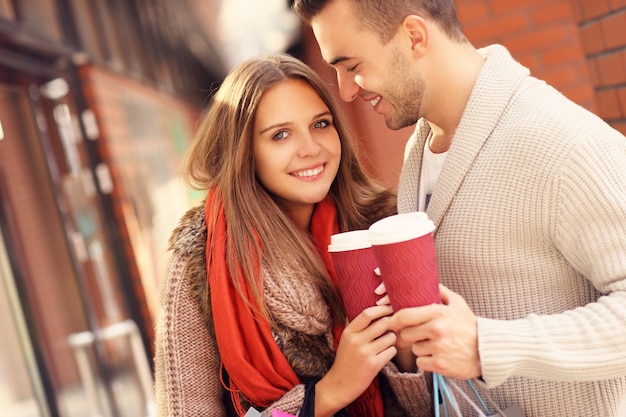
(417, 30)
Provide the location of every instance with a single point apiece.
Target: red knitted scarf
(256, 366)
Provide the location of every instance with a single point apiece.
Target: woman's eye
(321, 124)
(280, 135)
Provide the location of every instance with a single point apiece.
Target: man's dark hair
(384, 17)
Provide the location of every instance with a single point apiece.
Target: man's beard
(404, 92)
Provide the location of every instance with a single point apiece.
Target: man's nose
(348, 88)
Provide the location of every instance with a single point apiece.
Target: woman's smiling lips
(309, 173)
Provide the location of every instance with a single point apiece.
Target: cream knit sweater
(530, 211)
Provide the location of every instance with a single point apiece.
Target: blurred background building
(98, 101)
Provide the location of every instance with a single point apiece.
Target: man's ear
(417, 30)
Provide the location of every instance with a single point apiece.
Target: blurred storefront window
(77, 343)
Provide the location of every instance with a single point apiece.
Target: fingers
(356, 364)
(384, 348)
(452, 358)
(366, 342)
(444, 337)
(381, 290)
(445, 294)
(370, 329)
(411, 317)
(383, 301)
(369, 315)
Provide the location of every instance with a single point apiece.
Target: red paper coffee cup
(354, 264)
(404, 248)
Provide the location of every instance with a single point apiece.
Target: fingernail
(380, 290)
(383, 301)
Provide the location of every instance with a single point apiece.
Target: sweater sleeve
(411, 390)
(289, 403)
(589, 231)
(187, 380)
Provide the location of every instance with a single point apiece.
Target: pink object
(354, 264)
(405, 250)
(278, 413)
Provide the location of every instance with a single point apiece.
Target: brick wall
(602, 26)
(541, 34)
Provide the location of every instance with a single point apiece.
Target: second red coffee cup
(354, 264)
(404, 248)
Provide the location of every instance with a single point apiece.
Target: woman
(250, 314)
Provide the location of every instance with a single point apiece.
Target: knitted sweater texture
(530, 209)
(187, 361)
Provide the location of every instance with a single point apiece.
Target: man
(529, 198)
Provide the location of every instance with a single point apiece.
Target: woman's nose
(309, 146)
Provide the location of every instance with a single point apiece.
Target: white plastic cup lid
(400, 228)
(353, 240)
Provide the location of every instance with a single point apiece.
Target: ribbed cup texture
(356, 279)
(409, 271)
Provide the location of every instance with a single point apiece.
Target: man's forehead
(334, 28)
(330, 47)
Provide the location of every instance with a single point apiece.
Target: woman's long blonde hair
(221, 156)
